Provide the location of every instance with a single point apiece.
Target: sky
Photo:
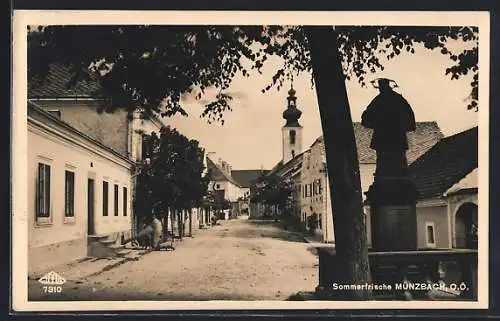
(251, 135)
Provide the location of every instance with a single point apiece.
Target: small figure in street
(391, 117)
(157, 233)
(145, 240)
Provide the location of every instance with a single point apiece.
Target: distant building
(308, 169)
(246, 179)
(316, 194)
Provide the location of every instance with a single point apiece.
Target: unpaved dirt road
(237, 260)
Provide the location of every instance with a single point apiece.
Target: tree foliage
(154, 66)
(174, 178)
(272, 191)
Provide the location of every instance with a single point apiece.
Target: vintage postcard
(190, 160)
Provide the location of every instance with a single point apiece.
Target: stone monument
(392, 196)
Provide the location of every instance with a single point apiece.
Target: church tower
(291, 131)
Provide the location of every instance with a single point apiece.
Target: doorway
(466, 226)
(90, 206)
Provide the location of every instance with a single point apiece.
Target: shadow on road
(263, 222)
(260, 229)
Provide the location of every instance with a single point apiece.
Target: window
(430, 234)
(55, 112)
(125, 196)
(69, 194)
(105, 195)
(43, 191)
(320, 221)
(116, 200)
(292, 137)
(320, 187)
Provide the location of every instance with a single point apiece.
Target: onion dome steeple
(292, 113)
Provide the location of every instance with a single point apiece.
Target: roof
(445, 164)
(57, 84)
(283, 167)
(218, 174)
(247, 177)
(424, 137)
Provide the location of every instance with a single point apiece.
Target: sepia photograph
(193, 160)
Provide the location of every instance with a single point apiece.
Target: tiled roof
(218, 174)
(56, 84)
(281, 168)
(424, 137)
(445, 163)
(245, 178)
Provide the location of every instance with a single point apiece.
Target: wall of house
(138, 128)
(111, 129)
(312, 173)
(60, 239)
(437, 215)
(231, 191)
(328, 231)
(366, 172)
(321, 203)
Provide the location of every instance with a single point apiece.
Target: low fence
(422, 275)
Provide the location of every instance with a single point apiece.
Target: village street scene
(282, 163)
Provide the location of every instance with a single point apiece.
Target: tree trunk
(165, 225)
(179, 224)
(172, 222)
(341, 154)
(183, 222)
(190, 222)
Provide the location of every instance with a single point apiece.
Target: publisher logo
(52, 278)
(52, 282)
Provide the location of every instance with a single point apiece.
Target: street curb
(107, 268)
(298, 234)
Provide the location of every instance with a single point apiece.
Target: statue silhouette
(391, 117)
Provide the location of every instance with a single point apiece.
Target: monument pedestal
(393, 214)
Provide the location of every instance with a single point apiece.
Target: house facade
(446, 178)
(223, 186)
(78, 187)
(100, 152)
(315, 197)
